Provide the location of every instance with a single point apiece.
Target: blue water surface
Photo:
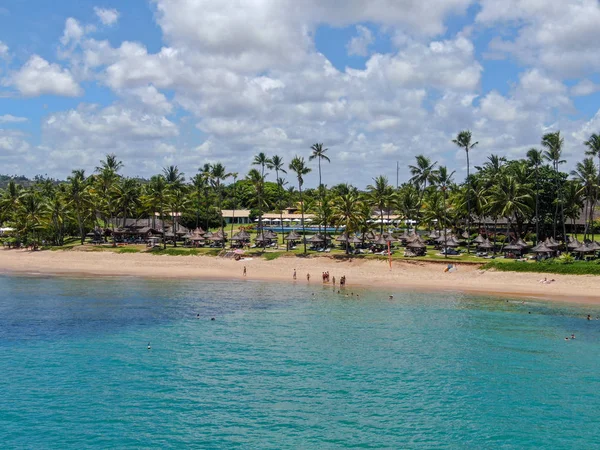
(282, 368)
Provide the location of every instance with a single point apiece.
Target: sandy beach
(403, 275)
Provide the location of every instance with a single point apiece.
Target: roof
(235, 213)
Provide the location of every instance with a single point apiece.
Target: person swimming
(589, 317)
(149, 348)
(212, 318)
(391, 297)
(197, 316)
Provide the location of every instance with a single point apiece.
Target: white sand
(404, 275)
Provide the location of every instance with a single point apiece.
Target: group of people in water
(326, 278)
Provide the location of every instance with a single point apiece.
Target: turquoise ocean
(282, 368)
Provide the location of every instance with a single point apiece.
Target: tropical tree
(593, 145)
(157, 197)
(218, 175)
(276, 164)
(443, 179)
(319, 153)
(380, 193)
(298, 166)
(346, 211)
(535, 158)
(463, 140)
(586, 174)
(553, 143)
(422, 172)
(262, 161)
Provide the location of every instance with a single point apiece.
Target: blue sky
(186, 82)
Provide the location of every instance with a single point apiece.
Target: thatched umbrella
(292, 236)
(342, 238)
(486, 245)
(573, 244)
(380, 241)
(550, 242)
(465, 235)
(513, 247)
(520, 242)
(434, 234)
(198, 231)
(584, 248)
(416, 245)
(594, 246)
(404, 236)
(542, 248)
(316, 239)
(370, 236)
(479, 239)
(355, 240)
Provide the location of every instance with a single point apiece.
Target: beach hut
(573, 244)
(342, 238)
(417, 248)
(292, 236)
(465, 235)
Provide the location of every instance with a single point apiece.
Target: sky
(189, 82)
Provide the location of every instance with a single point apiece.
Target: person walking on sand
(294, 274)
(308, 277)
(244, 270)
(333, 280)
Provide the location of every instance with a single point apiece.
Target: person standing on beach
(244, 270)
(308, 277)
(294, 274)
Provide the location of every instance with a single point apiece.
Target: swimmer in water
(212, 318)
(149, 348)
(566, 339)
(197, 316)
(572, 336)
(589, 317)
(391, 297)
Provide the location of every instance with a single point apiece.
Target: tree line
(532, 194)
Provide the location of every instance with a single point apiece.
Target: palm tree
(175, 183)
(299, 167)
(76, 193)
(586, 174)
(553, 143)
(535, 159)
(380, 193)
(157, 197)
(262, 161)
(346, 211)
(218, 175)
(319, 153)
(234, 175)
(463, 140)
(510, 198)
(107, 181)
(276, 163)
(422, 173)
(593, 145)
(407, 201)
(127, 197)
(110, 163)
(443, 180)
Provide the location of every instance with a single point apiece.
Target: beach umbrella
(542, 248)
(316, 239)
(521, 243)
(355, 240)
(514, 247)
(465, 235)
(415, 244)
(380, 241)
(479, 239)
(342, 238)
(433, 235)
(584, 248)
(292, 236)
(573, 244)
(486, 245)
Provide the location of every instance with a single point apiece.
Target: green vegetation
(128, 250)
(553, 266)
(503, 199)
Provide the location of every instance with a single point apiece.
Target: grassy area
(186, 251)
(552, 266)
(128, 250)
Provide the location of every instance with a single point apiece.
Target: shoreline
(404, 275)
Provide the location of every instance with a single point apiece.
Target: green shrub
(550, 266)
(128, 250)
(272, 255)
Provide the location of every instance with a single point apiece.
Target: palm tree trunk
(537, 217)
(445, 228)
(163, 227)
(303, 227)
(320, 195)
(468, 204)
(233, 215)
(80, 222)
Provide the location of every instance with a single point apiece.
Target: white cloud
(584, 87)
(9, 118)
(560, 36)
(359, 45)
(496, 107)
(74, 31)
(39, 77)
(3, 50)
(108, 17)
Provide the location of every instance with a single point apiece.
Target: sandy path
(366, 273)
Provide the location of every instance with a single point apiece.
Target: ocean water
(282, 368)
